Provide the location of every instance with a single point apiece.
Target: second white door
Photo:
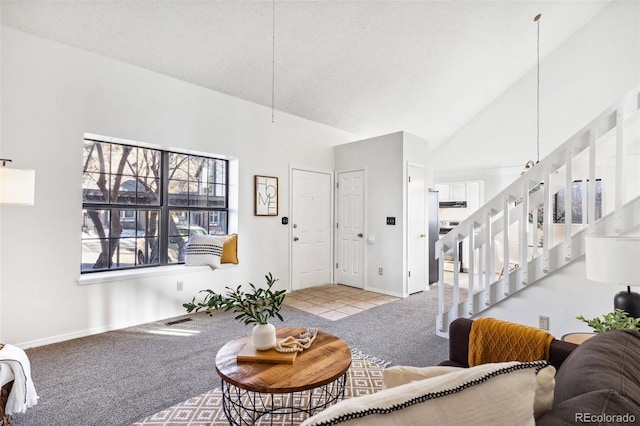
(350, 229)
(416, 232)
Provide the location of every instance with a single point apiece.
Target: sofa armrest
(559, 351)
(459, 331)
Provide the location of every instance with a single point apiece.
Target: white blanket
(23, 393)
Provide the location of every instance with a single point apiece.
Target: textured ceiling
(368, 67)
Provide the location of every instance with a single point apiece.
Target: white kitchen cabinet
(470, 191)
(475, 195)
(458, 191)
(443, 191)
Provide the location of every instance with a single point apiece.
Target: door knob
(423, 235)
(295, 238)
(360, 235)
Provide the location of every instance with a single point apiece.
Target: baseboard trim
(384, 291)
(89, 332)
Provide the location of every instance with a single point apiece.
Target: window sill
(129, 274)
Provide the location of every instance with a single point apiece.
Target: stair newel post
(471, 268)
(481, 280)
(620, 185)
(568, 202)
(506, 288)
(456, 273)
(524, 220)
(546, 221)
(591, 199)
(490, 269)
(440, 253)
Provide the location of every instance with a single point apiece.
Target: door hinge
(409, 179)
(409, 274)
(336, 265)
(337, 225)
(337, 184)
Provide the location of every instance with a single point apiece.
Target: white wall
(578, 81)
(51, 95)
(385, 159)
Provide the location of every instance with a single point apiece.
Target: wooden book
(250, 354)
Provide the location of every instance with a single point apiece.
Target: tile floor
(335, 301)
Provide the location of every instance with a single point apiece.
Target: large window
(140, 205)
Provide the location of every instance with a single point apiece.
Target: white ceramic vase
(264, 336)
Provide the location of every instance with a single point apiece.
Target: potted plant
(616, 320)
(256, 307)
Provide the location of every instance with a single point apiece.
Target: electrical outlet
(379, 271)
(543, 322)
(180, 286)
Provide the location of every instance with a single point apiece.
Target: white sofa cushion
(495, 394)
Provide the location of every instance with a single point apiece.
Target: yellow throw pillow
(230, 249)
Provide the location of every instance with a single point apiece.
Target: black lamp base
(628, 301)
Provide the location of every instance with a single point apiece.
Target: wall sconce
(17, 186)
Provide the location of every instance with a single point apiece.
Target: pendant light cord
(537, 19)
(273, 62)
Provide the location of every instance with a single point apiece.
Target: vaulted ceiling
(368, 67)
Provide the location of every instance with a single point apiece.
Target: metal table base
(243, 407)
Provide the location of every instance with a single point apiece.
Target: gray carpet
(119, 377)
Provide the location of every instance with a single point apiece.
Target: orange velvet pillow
(230, 249)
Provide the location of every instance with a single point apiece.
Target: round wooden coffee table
(315, 380)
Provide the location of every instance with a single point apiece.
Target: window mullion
(163, 234)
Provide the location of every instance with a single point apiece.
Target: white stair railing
(537, 224)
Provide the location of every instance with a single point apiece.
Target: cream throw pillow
(546, 383)
(493, 394)
(400, 375)
(204, 250)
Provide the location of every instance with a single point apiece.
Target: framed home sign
(266, 196)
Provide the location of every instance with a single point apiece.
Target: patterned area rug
(364, 377)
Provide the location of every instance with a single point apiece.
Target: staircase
(537, 224)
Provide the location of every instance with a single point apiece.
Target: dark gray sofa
(597, 382)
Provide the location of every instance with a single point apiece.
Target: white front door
(416, 233)
(350, 229)
(310, 224)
